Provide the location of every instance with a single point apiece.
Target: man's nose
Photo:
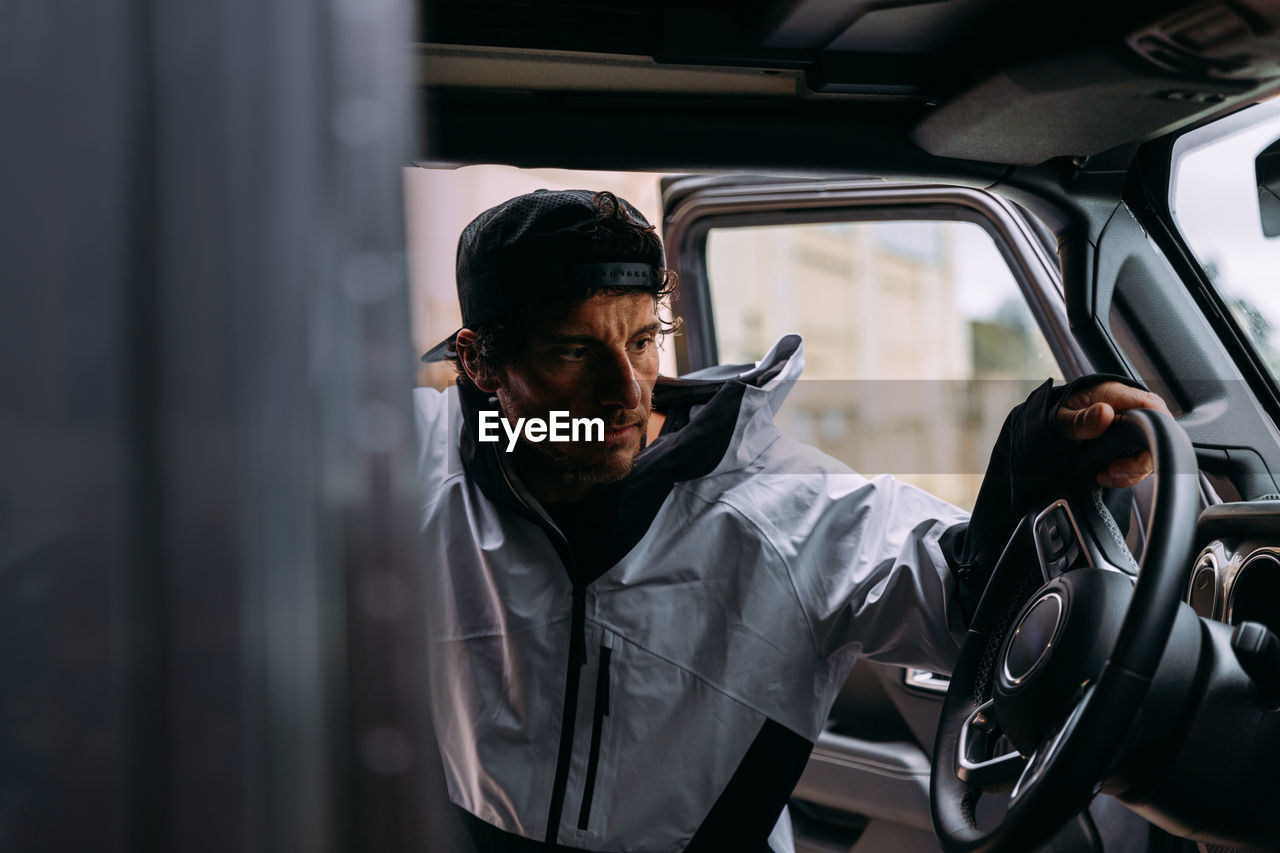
(618, 385)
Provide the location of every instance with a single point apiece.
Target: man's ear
(468, 357)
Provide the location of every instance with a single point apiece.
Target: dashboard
(1236, 575)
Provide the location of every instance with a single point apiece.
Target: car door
(927, 313)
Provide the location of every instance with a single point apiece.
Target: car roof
(917, 87)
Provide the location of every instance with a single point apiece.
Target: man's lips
(617, 433)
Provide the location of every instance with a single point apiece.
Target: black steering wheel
(1061, 651)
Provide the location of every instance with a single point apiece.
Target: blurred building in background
(917, 341)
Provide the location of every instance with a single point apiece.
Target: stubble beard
(562, 460)
(588, 471)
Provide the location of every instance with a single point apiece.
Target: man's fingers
(1088, 412)
(1122, 397)
(1089, 422)
(1126, 471)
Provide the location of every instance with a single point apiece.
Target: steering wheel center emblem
(1032, 641)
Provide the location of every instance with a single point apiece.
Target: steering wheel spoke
(1048, 750)
(978, 761)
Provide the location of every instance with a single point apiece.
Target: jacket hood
(764, 388)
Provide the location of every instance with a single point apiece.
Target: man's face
(598, 361)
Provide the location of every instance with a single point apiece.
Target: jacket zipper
(597, 726)
(577, 660)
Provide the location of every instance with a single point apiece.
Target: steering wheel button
(1055, 534)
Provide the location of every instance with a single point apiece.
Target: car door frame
(692, 206)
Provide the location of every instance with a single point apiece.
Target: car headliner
(956, 88)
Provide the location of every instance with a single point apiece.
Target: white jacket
(668, 700)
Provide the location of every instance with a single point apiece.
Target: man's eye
(641, 345)
(574, 353)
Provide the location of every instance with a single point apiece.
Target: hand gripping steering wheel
(1061, 652)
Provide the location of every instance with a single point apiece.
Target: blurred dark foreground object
(208, 617)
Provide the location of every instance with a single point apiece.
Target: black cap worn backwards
(517, 252)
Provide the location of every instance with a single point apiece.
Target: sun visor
(1176, 70)
(1078, 105)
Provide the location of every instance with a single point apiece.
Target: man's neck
(547, 480)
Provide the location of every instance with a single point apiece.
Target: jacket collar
(724, 420)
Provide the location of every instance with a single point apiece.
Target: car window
(1225, 198)
(918, 340)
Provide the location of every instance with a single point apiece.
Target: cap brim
(442, 350)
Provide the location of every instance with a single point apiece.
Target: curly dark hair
(612, 236)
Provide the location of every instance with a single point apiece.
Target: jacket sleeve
(868, 567)
(891, 573)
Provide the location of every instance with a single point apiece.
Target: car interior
(208, 568)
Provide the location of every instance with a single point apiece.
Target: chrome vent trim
(1206, 562)
(1269, 555)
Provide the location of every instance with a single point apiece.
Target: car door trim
(686, 225)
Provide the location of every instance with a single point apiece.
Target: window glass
(917, 339)
(1225, 198)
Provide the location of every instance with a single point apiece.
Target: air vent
(1202, 594)
(1255, 592)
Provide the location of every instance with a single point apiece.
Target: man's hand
(1088, 412)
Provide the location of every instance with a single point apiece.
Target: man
(636, 638)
